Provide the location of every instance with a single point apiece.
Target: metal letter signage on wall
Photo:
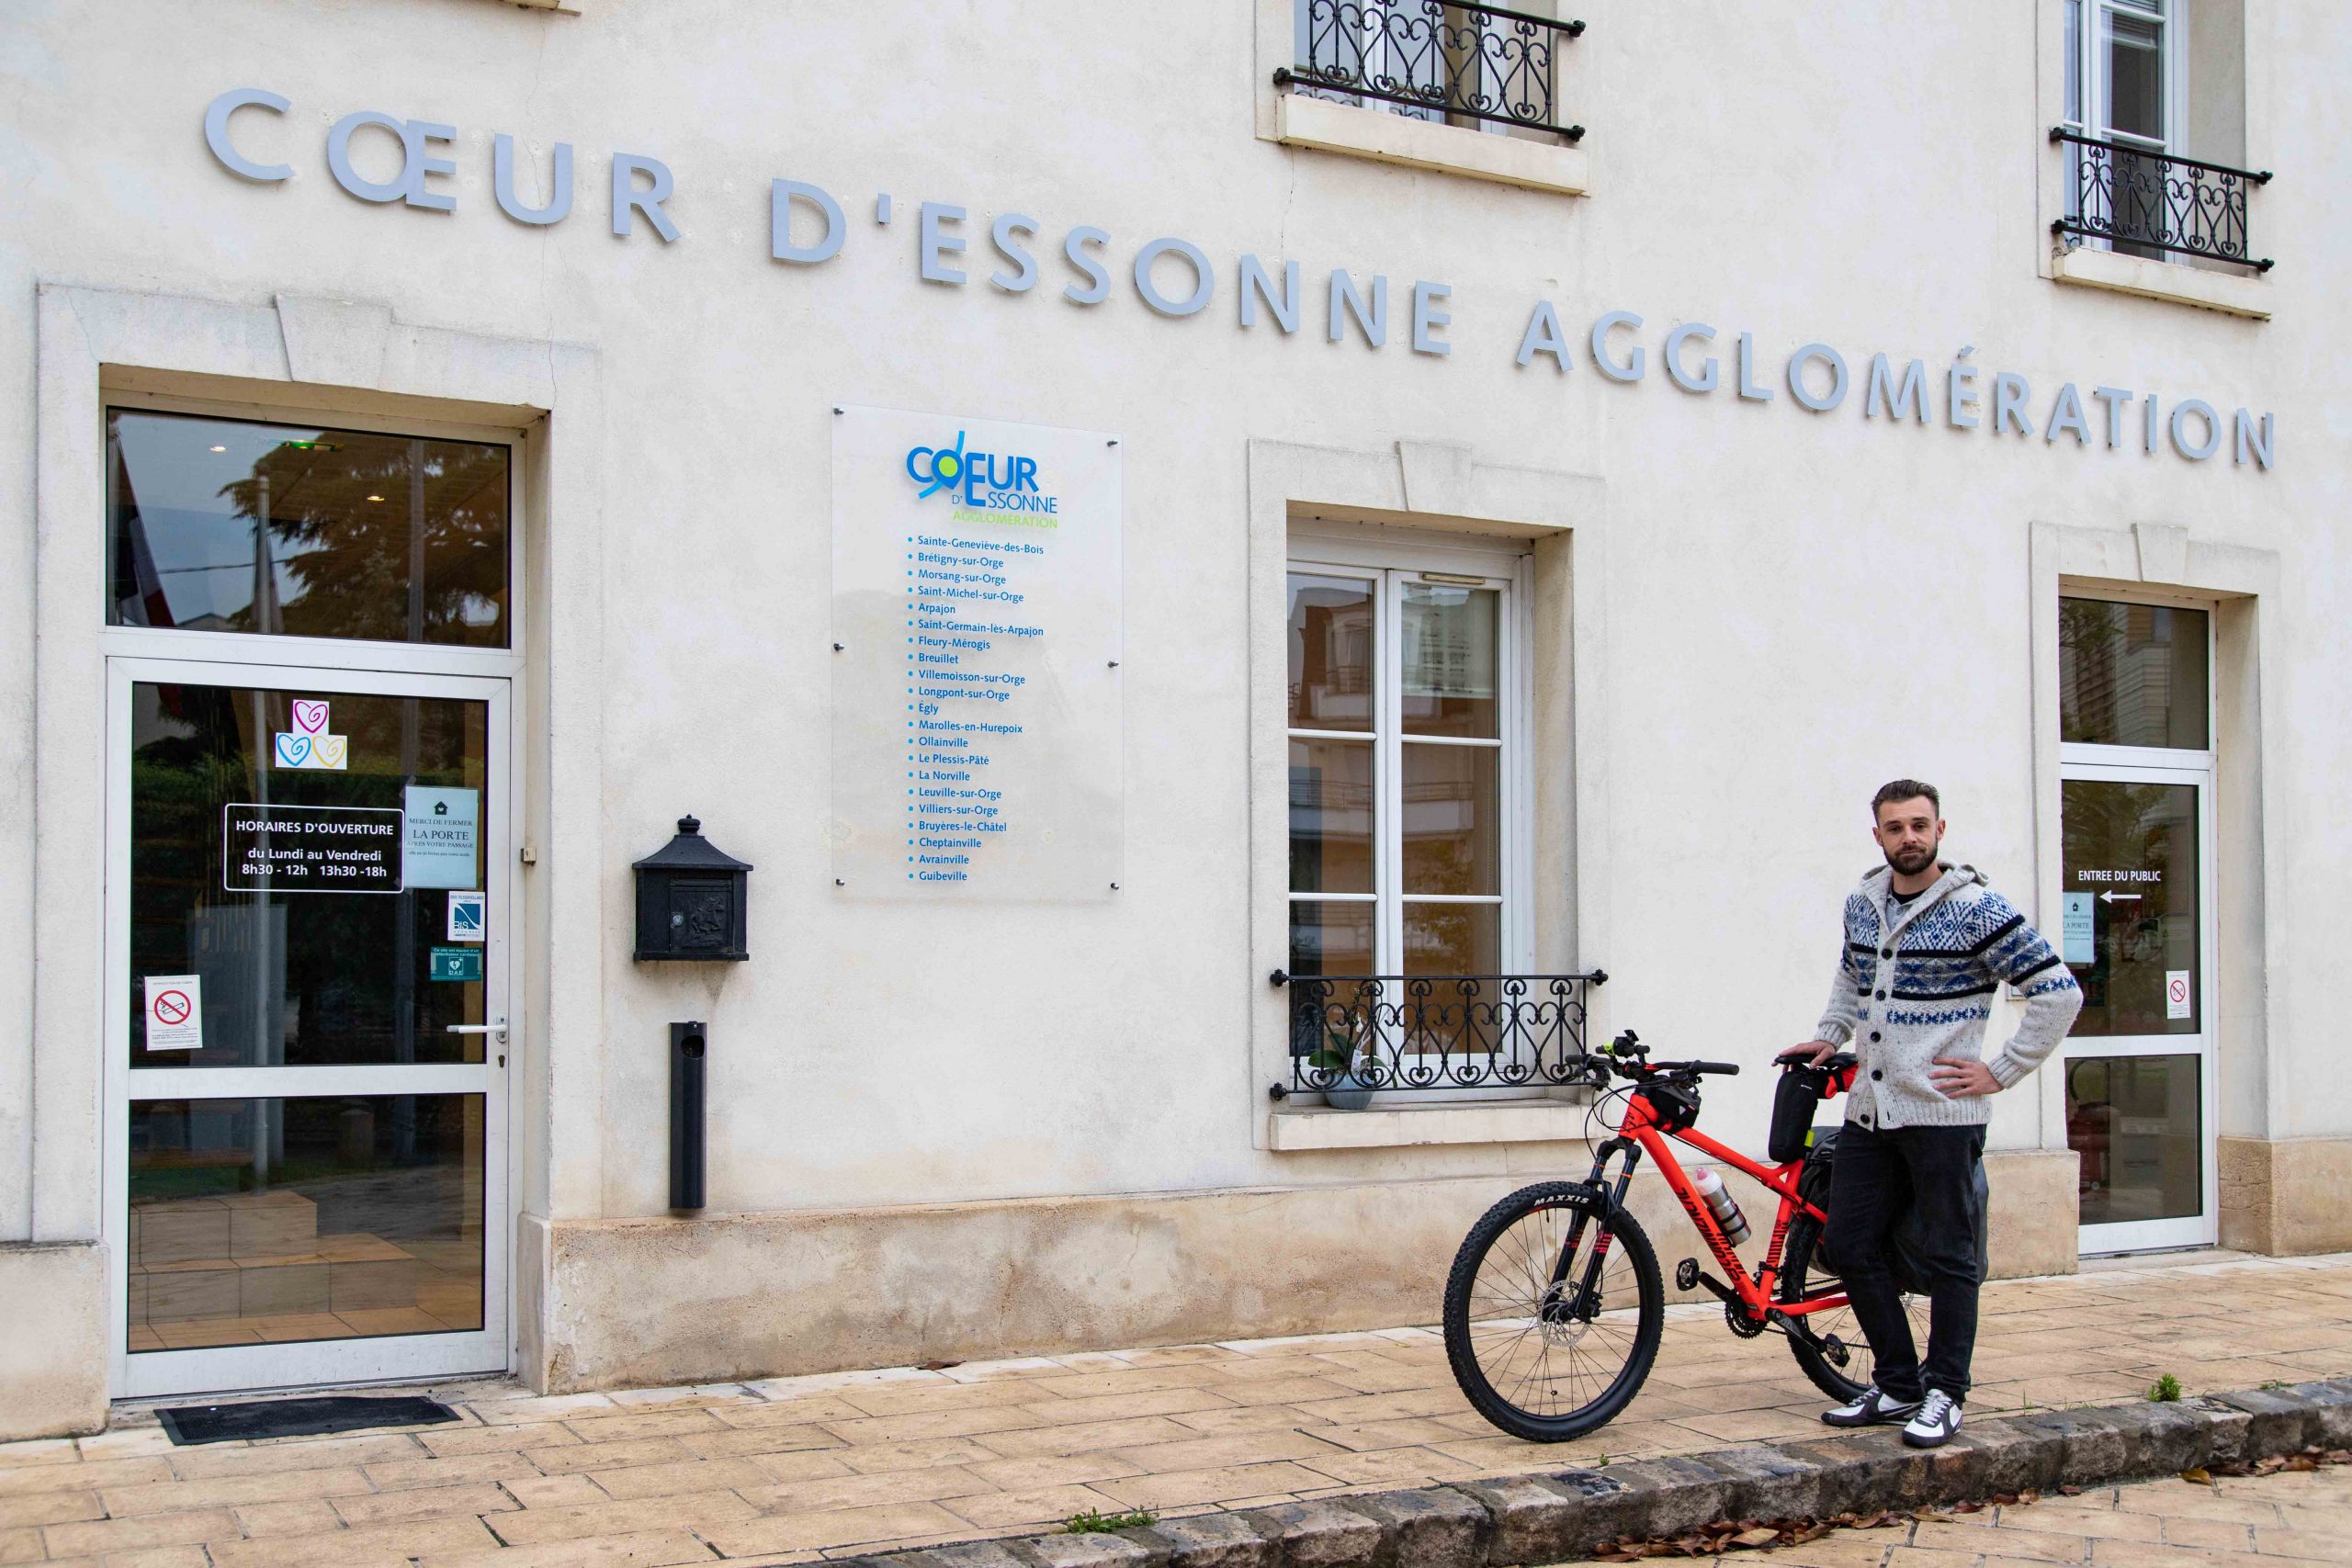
(977, 623)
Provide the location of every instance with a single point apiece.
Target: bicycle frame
(1641, 1125)
(1640, 1132)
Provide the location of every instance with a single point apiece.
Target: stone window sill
(1301, 121)
(2229, 293)
(1527, 1121)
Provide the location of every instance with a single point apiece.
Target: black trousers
(1876, 1181)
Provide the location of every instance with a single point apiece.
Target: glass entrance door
(308, 969)
(2136, 901)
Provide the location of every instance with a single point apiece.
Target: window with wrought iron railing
(1483, 67)
(2130, 121)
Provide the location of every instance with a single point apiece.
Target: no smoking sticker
(2176, 995)
(174, 1012)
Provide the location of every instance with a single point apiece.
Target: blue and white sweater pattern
(1916, 982)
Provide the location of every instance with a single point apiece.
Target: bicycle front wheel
(1554, 1312)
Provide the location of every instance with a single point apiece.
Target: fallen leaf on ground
(1757, 1537)
(2199, 1476)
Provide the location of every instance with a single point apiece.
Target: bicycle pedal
(1686, 1274)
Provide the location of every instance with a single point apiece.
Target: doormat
(298, 1417)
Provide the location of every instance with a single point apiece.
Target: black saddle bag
(1796, 1099)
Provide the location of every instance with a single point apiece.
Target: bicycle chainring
(1746, 1327)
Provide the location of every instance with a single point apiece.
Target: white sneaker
(1938, 1419)
(1871, 1408)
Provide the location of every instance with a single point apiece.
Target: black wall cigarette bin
(688, 1046)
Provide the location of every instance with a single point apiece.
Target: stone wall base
(2286, 1196)
(658, 1301)
(53, 1367)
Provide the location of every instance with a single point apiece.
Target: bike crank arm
(1688, 1276)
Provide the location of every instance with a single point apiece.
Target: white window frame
(2086, 763)
(335, 652)
(2087, 71)
(1389, 564)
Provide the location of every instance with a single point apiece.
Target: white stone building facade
(449, 439)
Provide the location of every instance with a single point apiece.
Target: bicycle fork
(1584, 1304)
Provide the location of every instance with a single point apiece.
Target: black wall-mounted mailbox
(691, 901)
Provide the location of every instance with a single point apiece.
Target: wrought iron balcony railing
(1437, 58)
(1384, 1033)
(2134, 196)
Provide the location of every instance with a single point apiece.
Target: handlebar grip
(1728, 1069)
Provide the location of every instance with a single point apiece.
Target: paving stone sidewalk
(2270, 1522)
(789, 1469)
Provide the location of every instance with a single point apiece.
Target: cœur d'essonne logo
(979, 481)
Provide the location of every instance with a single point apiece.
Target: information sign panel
(978, 618)
(309, 849)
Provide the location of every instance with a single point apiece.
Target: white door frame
(402, 1356)
(2127, 764)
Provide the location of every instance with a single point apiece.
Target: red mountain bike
(1554, 1309)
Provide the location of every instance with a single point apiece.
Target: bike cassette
(1686, 1274)
(1746, 1327)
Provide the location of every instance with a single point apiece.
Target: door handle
(495, 1026)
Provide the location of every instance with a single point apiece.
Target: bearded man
(1926, 946)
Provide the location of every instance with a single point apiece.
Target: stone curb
(1550, 1518)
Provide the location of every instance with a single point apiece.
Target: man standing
(1926, 946)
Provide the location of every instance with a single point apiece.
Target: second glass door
(2139, 1066)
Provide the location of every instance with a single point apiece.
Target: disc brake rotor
(1557, 1315)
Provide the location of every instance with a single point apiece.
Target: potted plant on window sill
(1354, 1071)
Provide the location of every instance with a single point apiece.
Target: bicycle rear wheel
(1544, 1353)
(1844, 1367)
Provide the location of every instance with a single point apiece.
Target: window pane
(222, 524)
(1330, 937)
(318, 969)
(1452, 819)
(1452, 939)
(2132, 674)
(2135, 77)
(2130, 906)
(261, 1220)
(1448, 660)
(2137, 1123)
(2073, 11)
(1332, 653)
(1330, 816)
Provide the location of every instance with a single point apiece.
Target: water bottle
(1720, 1204)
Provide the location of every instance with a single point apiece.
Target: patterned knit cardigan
(1916, 982)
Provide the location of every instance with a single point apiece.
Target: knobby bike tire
(1548, 1424)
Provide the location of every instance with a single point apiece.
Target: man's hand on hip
(1957, 1077)
(1813, 1053)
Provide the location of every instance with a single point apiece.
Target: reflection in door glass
(268, 1221)
(227, 525)
(306, 877)
(2132, 675)
(2136, 1122)
(2129, 905)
